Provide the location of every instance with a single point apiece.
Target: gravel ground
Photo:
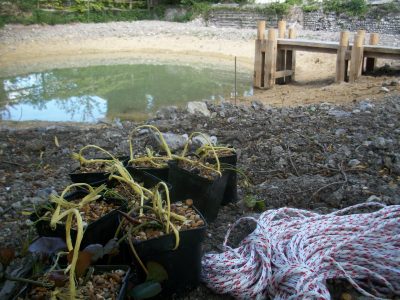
(12, 34)
(320, 157)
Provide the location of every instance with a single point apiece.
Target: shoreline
(36, 48)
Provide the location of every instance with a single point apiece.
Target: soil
(93, 211)
(198, 168)
(98, 167)
(122, 191)
(193, 220)
(147, 163)
(100, 286)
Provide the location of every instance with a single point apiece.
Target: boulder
(198, 108)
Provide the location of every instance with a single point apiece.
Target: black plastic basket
(183, 265)
(97, 232)
(229, 163)
(91, 178)
(161, 173)
(206, 194)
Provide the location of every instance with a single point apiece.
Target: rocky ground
(321, 157)
(12, 34)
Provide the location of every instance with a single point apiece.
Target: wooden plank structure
(275, 58)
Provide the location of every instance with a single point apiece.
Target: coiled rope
(292, 253)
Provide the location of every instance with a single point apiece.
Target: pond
(130, 91)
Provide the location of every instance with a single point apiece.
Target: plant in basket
(228, 159)
(155, 164)
(199, 180)
(98, 214)
(168, 234)
(53, 280)
(78, 261)
(92, 170)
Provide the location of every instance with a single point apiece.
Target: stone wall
(389, 24)
(239, 18)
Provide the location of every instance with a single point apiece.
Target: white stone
(354, 163)
(197, 107)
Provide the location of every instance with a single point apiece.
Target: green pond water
(117, 91)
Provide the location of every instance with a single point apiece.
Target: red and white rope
(292, 253)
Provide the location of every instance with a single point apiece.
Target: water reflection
(127, 91)
(73, 109)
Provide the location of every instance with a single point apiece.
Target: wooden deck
(275, 58)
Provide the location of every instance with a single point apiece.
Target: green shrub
(279, 9)
(378, 11)
(294, 2)
(350, 7)
(310, 8)
(184, 18)
(26, 5)
(311, 5)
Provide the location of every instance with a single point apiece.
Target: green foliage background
(67, 11)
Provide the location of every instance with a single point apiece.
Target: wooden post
(261, 30)
(258, 80)
(291, 57)
(281, 29)
(371, 61)
(270, 59)
(281, 54)
(356, 58)
(361, 32)
(341, 68)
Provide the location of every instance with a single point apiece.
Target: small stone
(339, 113)
(340, 132)
(169, 112)
(277, 150)
(394, 83)
(198, 108)
(367, 143)
(17, 205)
(353, 163)
(37, 200)
(256, 105)
(380, 143)
(385, 89)
(365, 105)
(373, 198)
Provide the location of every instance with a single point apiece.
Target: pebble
(380, 142)
(353, 163)
(17, 205)
(373, 198)
(340, 132)
(385, 89)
